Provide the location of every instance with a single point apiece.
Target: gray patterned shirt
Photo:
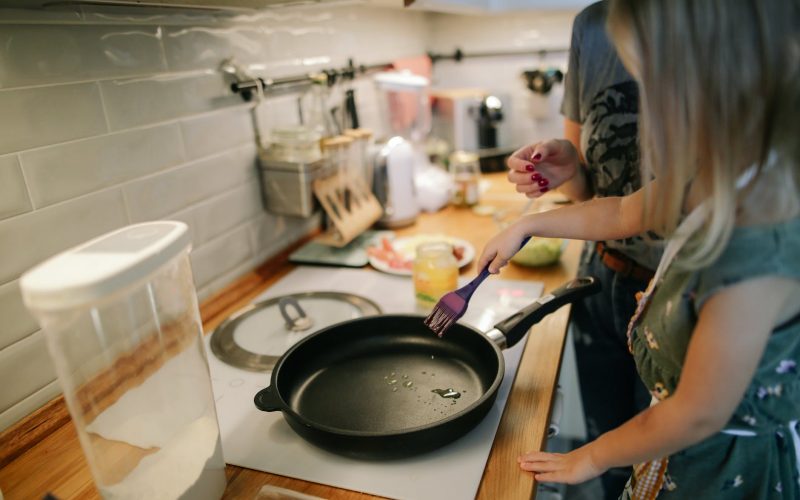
(601, 96)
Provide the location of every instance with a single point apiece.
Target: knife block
(350, 205)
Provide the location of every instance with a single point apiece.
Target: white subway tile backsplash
(48, 115)
(36, 54)
(13, 193)
(28, 364)
(68, 170)
(218, 131)
(17, 321)
(220, 255)
(168, 192)
(29, 404)
(30, 238)
(227, 211)
(204, 47)
(143, 101)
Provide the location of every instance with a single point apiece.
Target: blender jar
(122, 325)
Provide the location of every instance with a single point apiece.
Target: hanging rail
(458, 55)
(247, 86)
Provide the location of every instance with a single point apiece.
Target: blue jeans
(611, 391)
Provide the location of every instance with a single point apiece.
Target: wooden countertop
(42, 454)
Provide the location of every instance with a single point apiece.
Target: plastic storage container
(123, 328)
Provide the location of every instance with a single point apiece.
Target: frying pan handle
(517, 325)
(267, 400)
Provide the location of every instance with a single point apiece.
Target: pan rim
(490, 393)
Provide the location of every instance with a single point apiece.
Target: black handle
(517, 325)
(350, 106)
(267, 400)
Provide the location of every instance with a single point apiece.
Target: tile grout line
(104, 108)
(171, 121)
(27, 185)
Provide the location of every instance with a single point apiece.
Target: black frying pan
(386, 386)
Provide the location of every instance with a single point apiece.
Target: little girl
(716, 336)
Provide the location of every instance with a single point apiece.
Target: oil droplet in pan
(447, 393)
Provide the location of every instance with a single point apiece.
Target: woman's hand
(540, 167)
(499, 250)
(574, 467)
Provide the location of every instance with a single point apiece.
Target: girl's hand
(574, 467)
(501, 248)
(540, 167)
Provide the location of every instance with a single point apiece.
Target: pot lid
(255, 337)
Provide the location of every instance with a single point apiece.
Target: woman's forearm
(598, 219)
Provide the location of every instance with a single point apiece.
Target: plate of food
(396, 256)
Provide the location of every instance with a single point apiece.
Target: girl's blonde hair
(720, 91)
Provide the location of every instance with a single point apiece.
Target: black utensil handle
(517, 325)
(267, 400)
(350, 105)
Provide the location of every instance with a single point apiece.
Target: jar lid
(92, 271)
(294, 135)
(464, 157)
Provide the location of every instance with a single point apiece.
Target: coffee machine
(473, 120)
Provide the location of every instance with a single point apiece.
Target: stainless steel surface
(287, 185)
(225, 347)
(497, 337)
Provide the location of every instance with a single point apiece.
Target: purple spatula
(454, 304)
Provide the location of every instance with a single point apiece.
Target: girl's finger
(540, 466)
(536, 455)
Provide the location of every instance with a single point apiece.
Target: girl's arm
(724, 351)
(598, 219)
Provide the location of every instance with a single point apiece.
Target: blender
(405, 109)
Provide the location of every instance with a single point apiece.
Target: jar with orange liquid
(435, 273)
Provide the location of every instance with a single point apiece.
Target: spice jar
(465, 169)
(435, 273)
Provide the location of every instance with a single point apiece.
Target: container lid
(100, 267)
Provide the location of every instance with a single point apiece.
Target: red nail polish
(536, 176)
(544, 189)
(543, 182)
(537, 157)
(529, 168)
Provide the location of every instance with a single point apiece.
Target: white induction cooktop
(264, 441)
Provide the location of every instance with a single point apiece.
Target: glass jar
(294, 144)
(435, 273)
(465, 169)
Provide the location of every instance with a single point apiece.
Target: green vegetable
(539, 252)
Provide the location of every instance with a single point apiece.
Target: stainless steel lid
(255, 337)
